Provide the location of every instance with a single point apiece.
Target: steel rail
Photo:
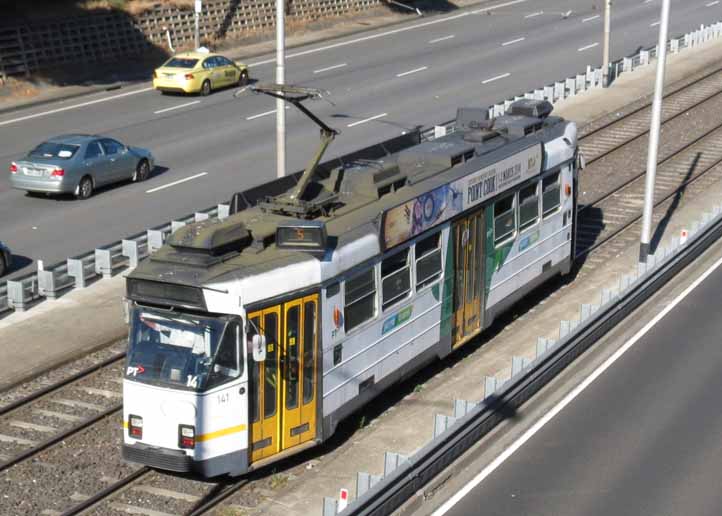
(661, 200)
(676, 88)
(210, 502)
(62, 383)
(108, 491)
(30, 452)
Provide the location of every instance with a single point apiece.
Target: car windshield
(182, 351)
(180, 62)
(54, 150)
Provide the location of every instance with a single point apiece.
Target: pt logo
(135, 370)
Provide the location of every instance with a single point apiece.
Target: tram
(251, 337)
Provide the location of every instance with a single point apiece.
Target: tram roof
(243, 245)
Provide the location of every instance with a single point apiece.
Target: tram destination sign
(413, 217)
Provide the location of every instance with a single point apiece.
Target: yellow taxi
(198, 72)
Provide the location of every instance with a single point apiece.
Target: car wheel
(243, 78)
(142, 171)
(206, 88)
(84, 189)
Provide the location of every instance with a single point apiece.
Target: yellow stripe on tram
(220, 433)
(125, 424)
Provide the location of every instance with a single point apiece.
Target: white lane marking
(74, 106)
(585, 20)
(654, 24)
(502, 76)
(163, 187)
(389, 33)
(176, 107)
(441, 39)
(489, 469)
(647, 1)
(402, 74)
(507, 43)
(532, 15)
(367, 119)
(260, 115)
(330, 68)
(587, 47)
(712, 3)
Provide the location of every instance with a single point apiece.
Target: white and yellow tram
(253, 336)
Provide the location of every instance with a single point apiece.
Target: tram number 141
(223, 397)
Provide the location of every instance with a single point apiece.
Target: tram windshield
(182, 351)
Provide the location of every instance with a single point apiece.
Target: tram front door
(468, 234)
(283, 395)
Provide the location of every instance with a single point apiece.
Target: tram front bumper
(233, 464)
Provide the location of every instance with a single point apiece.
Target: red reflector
(58, 172)
(136, 432)
(188, 442)
(189, 76)
(13, 168)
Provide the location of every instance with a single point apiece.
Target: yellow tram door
(283, 397)
(299, 371)
(468, 234)
(263, 387)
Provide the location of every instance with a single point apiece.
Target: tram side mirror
(258, 343)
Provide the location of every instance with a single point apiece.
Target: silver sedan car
(6, 258)
(78, 164)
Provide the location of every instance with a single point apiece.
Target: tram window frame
(506, 237)
(425, 253)
(221, 374)
(526, 224)
(395, 274)
(358, 299)
(545, 181)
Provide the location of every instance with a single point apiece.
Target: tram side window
(528, 206)
(395, 278)
(227, 366)
(551, 193)
(504, 219)
(428, 260)
(360, 301)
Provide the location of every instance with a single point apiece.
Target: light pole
(198, 7)
(607, 30)
(280, 79)
(654, 134)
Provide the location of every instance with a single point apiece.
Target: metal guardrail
(76, 272)
(406, 476)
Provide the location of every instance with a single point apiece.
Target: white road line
(647, 1)
(587, 47)
(176, 107)
(712, 3)
(259, 115)
(532, 15)
(330, 68)
(441, 39)
(585, 20)
(654, 24)
(412, 71)
(488, 470)
(389, 33)
(502, 76)
(74, 106)
(367, 120)
(176, 182)
(507, 43)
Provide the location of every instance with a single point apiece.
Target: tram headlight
(186, 437)
(135, 427)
